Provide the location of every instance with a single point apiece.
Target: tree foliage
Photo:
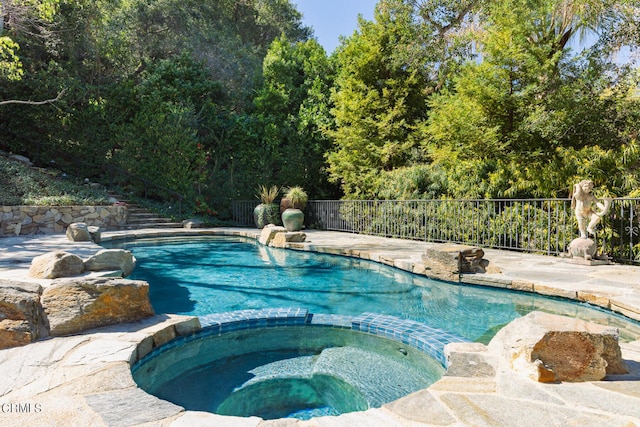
(536, 116)
(292, 108)
(159, 91)
(380, 97)
(433, 98)
(507, 106)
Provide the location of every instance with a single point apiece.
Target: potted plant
(267, 212)
(293, 215)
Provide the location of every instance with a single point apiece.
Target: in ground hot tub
(293, 364)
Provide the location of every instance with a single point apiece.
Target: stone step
(146, 218)
(140, 217)
(139, 226)
(141, 213)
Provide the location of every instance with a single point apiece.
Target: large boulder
(551, 348)
(269, 233)
(78, 232)
(282, 239)
(95, 233)
(56, 264)
(111, 259)
(446, 262)
(76, 305)
(22, 319)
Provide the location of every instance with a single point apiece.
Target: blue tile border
(419, 335)
(219, 323)
(409, 332)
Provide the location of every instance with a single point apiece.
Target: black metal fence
(530, 225)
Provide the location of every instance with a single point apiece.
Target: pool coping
(86, 379)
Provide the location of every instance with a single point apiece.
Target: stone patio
(86, 380)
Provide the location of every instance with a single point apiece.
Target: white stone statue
(588, 208)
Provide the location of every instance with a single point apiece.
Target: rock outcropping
(278, 236)
(56, 264)
(78, 232)
(551, 348)
(542, 347)
(282, 239)
(269, 232)
(22, 319)
(446, 262)
(111, 259)
(76, 305)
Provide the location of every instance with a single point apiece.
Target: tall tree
(293, 108)
(22, 19)
(511, 119)
(386, 72)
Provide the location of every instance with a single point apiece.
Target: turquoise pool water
(198, 276)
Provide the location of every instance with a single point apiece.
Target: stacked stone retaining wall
(25, 220)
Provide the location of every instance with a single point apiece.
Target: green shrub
(24, 185)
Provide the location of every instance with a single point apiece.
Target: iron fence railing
(530, 225)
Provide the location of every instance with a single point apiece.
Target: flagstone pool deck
(86, 380)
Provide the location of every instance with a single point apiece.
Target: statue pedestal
(583, 252)
(582, 261)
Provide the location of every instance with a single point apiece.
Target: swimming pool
(284, 371)
(203, 275)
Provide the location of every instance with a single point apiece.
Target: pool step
(376, 377)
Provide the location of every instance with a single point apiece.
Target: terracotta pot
(286, 204)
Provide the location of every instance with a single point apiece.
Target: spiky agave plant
(267, 212)
(268, 194)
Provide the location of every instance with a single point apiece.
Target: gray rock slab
(491, 410)
(421, 407)
(512, 385)
(78, 381)
(607, 399)
(28, 365)
(52, 410)
(99, 351)
(371, 418)
(469, 360)
(123, 408)
(630, 388)
(206, 419)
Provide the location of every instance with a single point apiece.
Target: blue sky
(332, 18)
